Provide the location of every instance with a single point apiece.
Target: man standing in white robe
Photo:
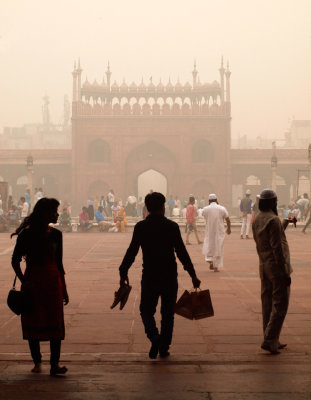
(213, 246)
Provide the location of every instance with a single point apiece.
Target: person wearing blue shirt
(103, 225)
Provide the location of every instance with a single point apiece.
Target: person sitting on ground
(103, 225)
(65, 220)
(159, 239)
(4, 224)
(120, 220)
(84, 220)
(13, 216)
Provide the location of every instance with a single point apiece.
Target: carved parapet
(146, 109)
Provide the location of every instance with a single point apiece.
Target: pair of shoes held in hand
(121, 296)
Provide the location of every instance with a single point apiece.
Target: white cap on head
(212, 196)
(248, 191)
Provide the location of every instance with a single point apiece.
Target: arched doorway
(151, 180)
(150, 156)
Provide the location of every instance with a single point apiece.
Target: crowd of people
(160, 239)
(110, 213)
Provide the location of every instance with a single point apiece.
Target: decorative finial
(79, 63)
(74, 66)
(108, 67)
(222, 61)
(228, 65)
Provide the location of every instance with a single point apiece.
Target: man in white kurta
(213, 246)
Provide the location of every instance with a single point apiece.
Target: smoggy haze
(267, 43)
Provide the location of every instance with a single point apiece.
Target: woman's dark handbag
(18, 301)
(195, 305)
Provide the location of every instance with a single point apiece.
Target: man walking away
(275, 268)
(213, 247)
(158, 238)
(307, 212)
(246, 210)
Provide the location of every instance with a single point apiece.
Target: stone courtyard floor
(106, 350)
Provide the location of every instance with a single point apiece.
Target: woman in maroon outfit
(41, 247)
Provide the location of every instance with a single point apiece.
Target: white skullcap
(212, 196)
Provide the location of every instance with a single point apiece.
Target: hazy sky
(268, 44)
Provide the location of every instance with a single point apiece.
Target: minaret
(228, 73)
(79, 71)
(45, 110)
(222, 84)
(74, 84)
(194, 74)
(108, 74)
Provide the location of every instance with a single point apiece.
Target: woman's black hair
(268, 205)
(37, 218)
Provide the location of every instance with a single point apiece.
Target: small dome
(178, 87)
(187, 86)
(142, 86)
(133, 87)
(169, 85)
(95, 83)
(215, 83)
(114, 87)
(160, 87)
(124, 87)
(151, 86)
(86, 83)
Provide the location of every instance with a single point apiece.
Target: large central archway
(150, 166)
(151, 180)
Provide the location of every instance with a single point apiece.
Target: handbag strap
(14, 282)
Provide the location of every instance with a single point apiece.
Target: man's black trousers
(151, 291)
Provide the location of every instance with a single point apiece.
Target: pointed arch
(202, 151)
(99, 151)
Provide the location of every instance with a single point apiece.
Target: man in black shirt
(159, 239)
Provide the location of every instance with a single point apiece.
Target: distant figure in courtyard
(274, 267)
(115, 208)
(90, 208)
(64, 220)
(13, 216)
(213, 248)
(103, 225)
(191, 216)
(4, 223)
(246, 210)
(84, 220)
(303, 204)
(171, 205)
(24, 208)
(120, 220)
(43, 280)
(140, 206)
(110, 201)
(159, 238)
(28, 199)
(308, 218)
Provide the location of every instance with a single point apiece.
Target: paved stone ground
(106, 350)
